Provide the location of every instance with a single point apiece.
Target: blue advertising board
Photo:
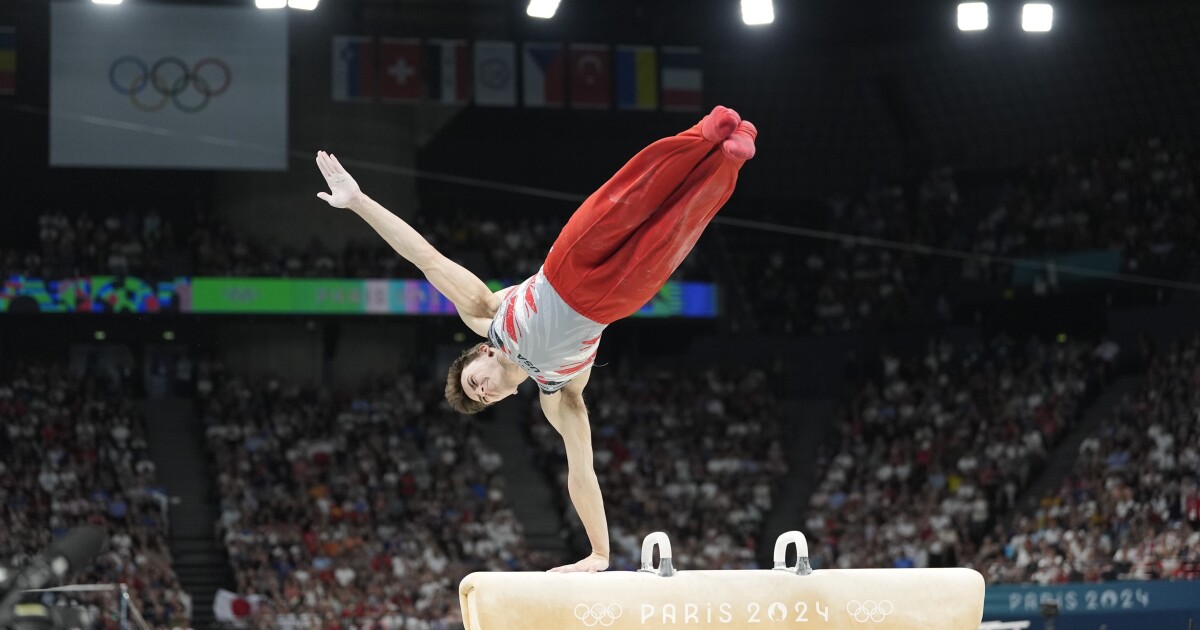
(1111, 605)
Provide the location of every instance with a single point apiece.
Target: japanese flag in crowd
(591, 76)
(495, 73)
(545, 83)
(233, 608)
(353, 68)
(447, 71)
(400, 70)
(682, 79)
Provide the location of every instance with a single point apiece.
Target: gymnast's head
(476, 379)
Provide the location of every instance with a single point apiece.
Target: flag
(447, 71)
(231, 607)
(495, 73)
(209, 89)
(637, 77)
(400, 66)
(8, 60)
(682, 79)
(591, 76)
(353, 68)
(542, 65)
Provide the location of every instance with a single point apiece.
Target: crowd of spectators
(140, 243)
(1137, 198)
(1131, 507)
(695, 454)
(355, 508)
(72, 453)
(935, 446)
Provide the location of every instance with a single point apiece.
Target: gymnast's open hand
(590, 564)
(343, 189)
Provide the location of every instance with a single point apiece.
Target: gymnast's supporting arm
(475, 302)
(566, 412)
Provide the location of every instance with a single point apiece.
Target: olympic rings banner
(159, 86)
(283, 296)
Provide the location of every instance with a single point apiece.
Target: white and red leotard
(540, 332)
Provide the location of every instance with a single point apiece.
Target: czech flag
(545, 82)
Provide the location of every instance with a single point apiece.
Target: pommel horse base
(784, 597)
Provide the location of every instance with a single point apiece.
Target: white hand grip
(664, 554)
(781, 544)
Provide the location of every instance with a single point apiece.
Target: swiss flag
(591, 76)
(400, 67)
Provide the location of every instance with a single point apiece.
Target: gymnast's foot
(740, 144)
(719, 124)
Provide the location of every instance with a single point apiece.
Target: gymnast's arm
(475, 302)
(566, 411)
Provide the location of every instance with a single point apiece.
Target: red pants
(622, 245)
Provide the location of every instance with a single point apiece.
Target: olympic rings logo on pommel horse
(598, 614)
(169, 78)
(869, 610)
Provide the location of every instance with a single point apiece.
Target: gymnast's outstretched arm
(566, 411)
(475, 302)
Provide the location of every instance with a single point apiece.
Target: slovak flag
(682, 79)
(591, 76)
(353, 68)
(400, 70)
(543, 69)
(233, 608)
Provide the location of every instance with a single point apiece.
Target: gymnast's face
(483, 378)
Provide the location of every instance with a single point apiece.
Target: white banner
(154, 86)
(495, 73)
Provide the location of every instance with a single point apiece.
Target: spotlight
(1037, 17)
(270, 4)
(973, 16)
(106, 1)
(542, 8)
(756, 12)
(306, 5)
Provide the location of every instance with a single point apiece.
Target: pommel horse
(792, 597)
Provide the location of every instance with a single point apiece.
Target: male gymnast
(615, 253)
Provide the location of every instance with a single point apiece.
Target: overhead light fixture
(973, 16)
(756, 12)
(304, 5)
(544, 9)
(270, 4)
(106, 1)
(1037, 17)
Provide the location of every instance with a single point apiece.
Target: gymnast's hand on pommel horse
(615, 253)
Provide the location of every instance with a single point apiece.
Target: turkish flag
(591, 76)
(400, 70)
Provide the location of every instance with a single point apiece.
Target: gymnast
(615, 253)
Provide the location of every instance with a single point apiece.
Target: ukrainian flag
(8, 60)
(637, 77)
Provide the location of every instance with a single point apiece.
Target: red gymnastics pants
(622, 245)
